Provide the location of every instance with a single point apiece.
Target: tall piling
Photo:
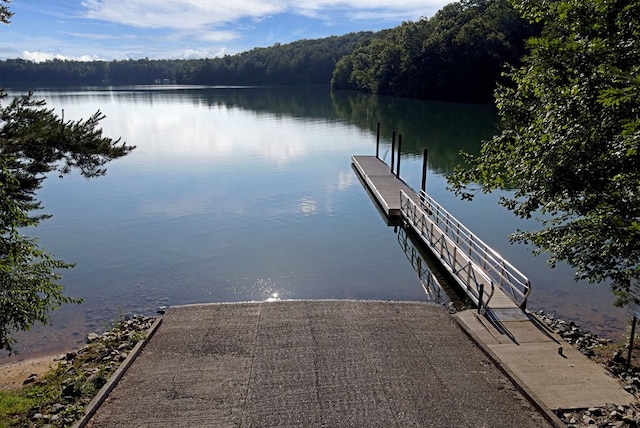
(424, 170)
(393, 149)
(399, 152)
(378, 142)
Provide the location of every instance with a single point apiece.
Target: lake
(247, 193)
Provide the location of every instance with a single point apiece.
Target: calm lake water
(237, 194)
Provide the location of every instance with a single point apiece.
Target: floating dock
(383, 184)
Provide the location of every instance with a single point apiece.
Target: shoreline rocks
(611, 415)
(81, 373)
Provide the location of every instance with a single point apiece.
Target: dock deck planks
(384, 185)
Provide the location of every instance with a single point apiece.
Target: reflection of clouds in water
(205, 132)
(223, 134)
(173, 209)
(188, 206)
(346, 179)
(308, 206)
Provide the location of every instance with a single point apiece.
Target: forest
(457, 55)
(300, 62)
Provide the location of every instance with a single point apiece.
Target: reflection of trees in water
(443, 128)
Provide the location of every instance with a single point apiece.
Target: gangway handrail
(500, 272)
(509, 278)
(477, 284)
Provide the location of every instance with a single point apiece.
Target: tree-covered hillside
(457, 55)
(301, 62)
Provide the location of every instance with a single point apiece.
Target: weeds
(59, 397)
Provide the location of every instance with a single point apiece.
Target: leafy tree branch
(34, 142)
(570, 141)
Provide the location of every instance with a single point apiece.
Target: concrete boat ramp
(347, 363)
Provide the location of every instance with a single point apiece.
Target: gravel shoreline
(76, 376)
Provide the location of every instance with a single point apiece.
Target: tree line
(301, 62)
(458, 55)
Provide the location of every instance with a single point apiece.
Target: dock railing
(473, 263)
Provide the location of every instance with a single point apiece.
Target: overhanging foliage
(570, 141)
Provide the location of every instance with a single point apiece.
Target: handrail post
(523, 305)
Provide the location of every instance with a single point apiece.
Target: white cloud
(94, 36)
(217, 36)
(368, 9)
(178, 14)
(199, 53)
(198, 14)
(38, 56)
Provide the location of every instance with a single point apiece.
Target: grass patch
(13, 406)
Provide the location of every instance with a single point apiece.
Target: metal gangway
(488, 279)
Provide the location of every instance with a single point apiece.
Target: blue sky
(184, 29)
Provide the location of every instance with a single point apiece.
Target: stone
(57, 408)
(92, 337)
(594, 411)
(31, 379)
(617, 357)
(70, 390)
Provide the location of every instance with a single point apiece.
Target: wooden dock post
(378, 142)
